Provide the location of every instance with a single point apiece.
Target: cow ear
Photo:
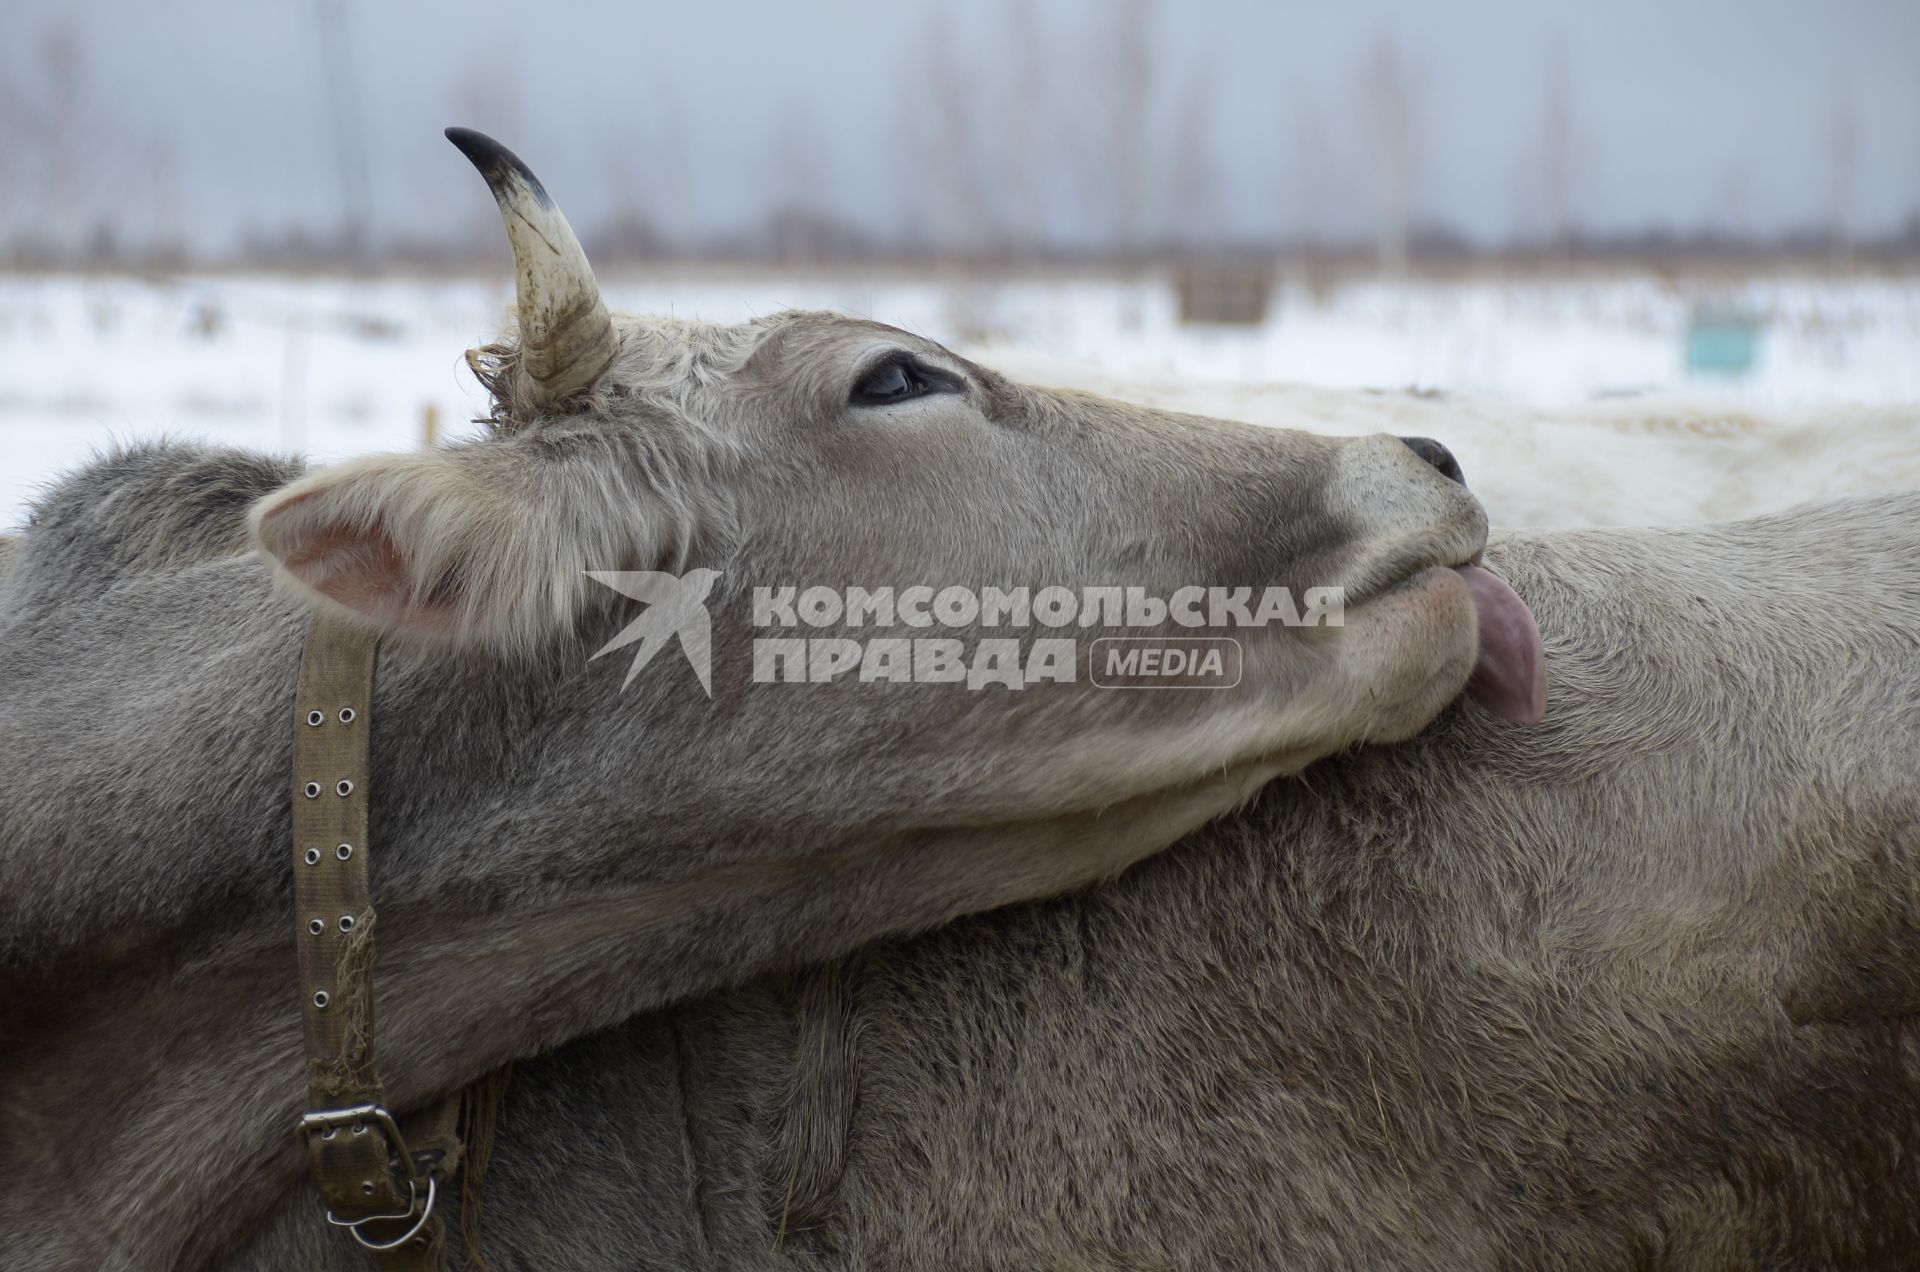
(475, 544)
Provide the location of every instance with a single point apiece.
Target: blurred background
(239, 221)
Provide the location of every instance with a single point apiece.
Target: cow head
(812, 450)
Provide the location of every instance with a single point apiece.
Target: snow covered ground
(1569, 401)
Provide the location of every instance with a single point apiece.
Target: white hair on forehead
(658, 365)
(661, 355)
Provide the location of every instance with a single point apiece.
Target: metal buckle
(413, 1199)
(359, 1117)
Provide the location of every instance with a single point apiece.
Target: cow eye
(896, 380)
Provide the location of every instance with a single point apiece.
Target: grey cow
(1626, 988)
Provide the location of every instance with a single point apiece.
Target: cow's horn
(566, 336)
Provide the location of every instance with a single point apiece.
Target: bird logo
(676, 607)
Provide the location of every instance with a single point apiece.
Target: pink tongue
(1510, 679)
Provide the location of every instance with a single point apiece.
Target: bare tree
(1121, 92)
(1192, 216)
(15, 175)
(68, 175)
(1026, 132)
(630, 231)
(1556, 158)
(649, 184)
(1387, 106)
(799, 213)
(485, 99)
(63, 64)
(164, 246)
(668, 182)
(954, 204)
(45, 176)
(1312, 179)
(1843, 149)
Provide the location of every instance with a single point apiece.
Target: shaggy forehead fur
(664, 365)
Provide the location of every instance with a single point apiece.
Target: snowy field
(1569, 402)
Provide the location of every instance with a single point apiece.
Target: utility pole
(349, 141)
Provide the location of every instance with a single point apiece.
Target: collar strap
(373, 1183)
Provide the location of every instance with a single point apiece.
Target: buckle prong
(359, 1117)
(413, 1199)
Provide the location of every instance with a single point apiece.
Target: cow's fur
(554, 855)
(1625, 987)
(1631, 990)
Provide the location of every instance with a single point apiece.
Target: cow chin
(1404, 655)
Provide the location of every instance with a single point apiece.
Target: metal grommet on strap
(357, 1156)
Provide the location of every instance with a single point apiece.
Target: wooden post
(430, 425)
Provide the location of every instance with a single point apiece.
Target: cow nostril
(1437, 455)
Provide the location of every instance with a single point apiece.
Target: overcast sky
(212, 116)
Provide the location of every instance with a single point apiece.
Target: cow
(1634, 988)
(784, 967)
